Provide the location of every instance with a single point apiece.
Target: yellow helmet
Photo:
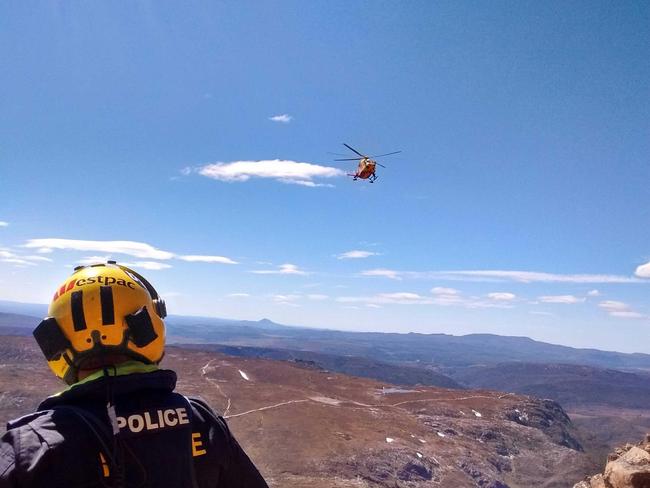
(102, 310)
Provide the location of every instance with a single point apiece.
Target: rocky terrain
(627, 467)
(308, 427)
(608, 405)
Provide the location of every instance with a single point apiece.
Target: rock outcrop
(627, 467)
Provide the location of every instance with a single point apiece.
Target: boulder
(630, 470)
(627, 467)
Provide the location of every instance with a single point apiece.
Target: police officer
(119, 423)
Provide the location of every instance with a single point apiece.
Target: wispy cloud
(150, 265)
(285, 171)
(356, 254)
(290, 299)
(3, 223)
(386, 273)
(10, 257)
(564, 299)
(593, 293)
(503, 275)
(441, 290)
(134, 249)
(207, 259)
(282, 118)
(445, 297)
(620, 309)
(502, 296)
(130, 248)
(238, 295)
(89, 260)
(399, 298)
(283, 269)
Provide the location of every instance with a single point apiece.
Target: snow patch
(390, 439)
(419, 454)
(478, 414)
(440, 434)
(422, 441)
(244, 375)
(326, 400)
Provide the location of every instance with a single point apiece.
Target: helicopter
(366, 168)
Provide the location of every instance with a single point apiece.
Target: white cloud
(150, 265)
(283, 118)
(643, 271)
(208, 259)
(593, 293)
(10, 257)
(441, 297)
(356, 254)
(89, 260)
(441, 290)
(286, 298)
(619, 309)
(565, 299)
(506, 275)
(613, 305)
(289, 300)
(387, 273)
(402, 296)
(283, 269)
(130, 248)
(399, 298)
(291, 172)
(3, 223)
(42, 259)
(238, 295)
(501, 296)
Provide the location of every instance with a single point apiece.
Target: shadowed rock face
(627, 467)
(308, 427)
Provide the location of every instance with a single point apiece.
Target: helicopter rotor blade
(348, 159)
(379, 164)
(354, 150)
(387, 154)
(336, 154)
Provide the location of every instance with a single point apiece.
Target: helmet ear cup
(51, 339)
(141, 328)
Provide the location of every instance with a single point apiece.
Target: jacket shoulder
(203, 409)
(26, 419)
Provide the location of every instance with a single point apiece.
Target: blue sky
(518, 206)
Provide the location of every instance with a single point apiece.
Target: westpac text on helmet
(102, 280)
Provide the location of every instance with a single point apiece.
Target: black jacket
(164, 440)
